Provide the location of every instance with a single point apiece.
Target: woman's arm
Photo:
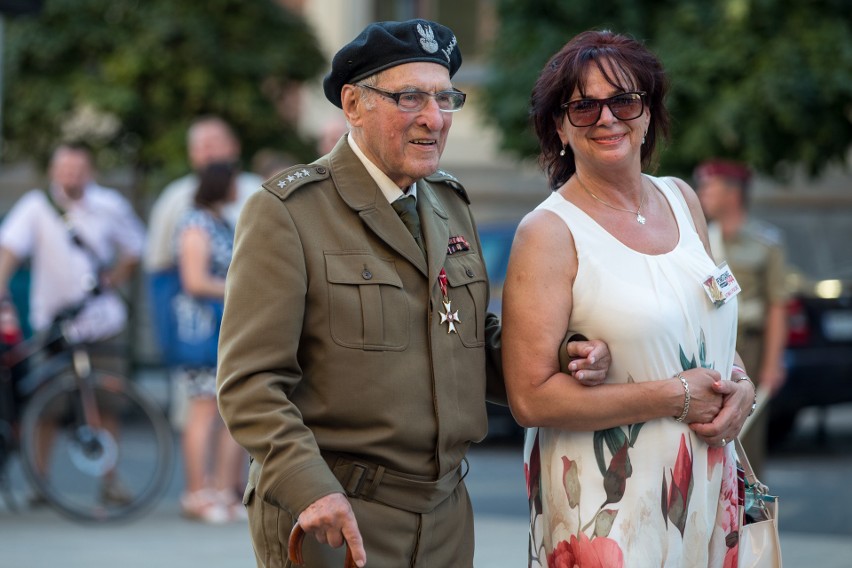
(194, 265)
(537, 304)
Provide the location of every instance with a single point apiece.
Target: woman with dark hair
(203, 249)
(637, 471)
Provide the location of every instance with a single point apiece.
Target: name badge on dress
(721, 285)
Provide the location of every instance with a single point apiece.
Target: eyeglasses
(586, 112)
(414, 101)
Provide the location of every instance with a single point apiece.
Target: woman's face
(609, 141)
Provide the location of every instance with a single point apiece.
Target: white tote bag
(759, 544)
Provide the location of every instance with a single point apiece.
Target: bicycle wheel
(96, 474)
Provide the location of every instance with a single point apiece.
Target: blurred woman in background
(203, 249)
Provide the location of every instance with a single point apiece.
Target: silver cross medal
(451, 318)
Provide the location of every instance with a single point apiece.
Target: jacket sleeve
(258, 366)
(495, 389)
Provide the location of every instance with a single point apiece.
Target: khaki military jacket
(332, 337)
(756, 257)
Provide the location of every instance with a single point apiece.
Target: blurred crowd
(82, 243)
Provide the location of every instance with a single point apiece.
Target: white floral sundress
(650, 494)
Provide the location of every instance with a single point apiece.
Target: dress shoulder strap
(668, 184)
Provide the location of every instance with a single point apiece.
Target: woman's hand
(705, 402)
(737, 401)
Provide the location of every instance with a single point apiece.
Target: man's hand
(331, 521)
(590, 361)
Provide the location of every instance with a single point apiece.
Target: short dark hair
(214, 183)
(625, 63)
(76, 146)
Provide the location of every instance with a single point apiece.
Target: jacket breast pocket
(468, 294)
(369, 309)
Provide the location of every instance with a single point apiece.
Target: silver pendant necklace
(639, 217)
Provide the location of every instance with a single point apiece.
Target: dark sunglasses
(586, 112)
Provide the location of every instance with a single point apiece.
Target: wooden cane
(297, 536)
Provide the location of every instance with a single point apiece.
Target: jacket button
(367, 274)
(320, 170)
(469, 272)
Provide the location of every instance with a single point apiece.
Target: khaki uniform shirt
(756, 257)
(332, 337)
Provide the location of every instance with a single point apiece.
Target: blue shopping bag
(186, 327)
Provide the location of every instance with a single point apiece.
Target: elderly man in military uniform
(356, 352)
(753, 250)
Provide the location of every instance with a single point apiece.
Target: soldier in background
(754, 251)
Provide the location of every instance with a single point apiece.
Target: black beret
(383, 45)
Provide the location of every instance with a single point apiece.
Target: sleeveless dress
(649, 494)
(199, 319)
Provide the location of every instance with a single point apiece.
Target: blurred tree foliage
(765, 81)
(128, 76)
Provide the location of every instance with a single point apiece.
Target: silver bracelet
(686, 398)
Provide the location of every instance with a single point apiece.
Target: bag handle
(297, 536)
(749, 472)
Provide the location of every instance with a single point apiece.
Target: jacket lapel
(361, 193)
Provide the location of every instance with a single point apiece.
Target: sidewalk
(162, 539)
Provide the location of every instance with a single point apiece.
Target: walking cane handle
(297, 536)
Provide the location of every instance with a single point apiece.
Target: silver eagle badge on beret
(427, 38)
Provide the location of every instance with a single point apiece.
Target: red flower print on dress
(533, 474)
(715, 456)
(675, 502)
(581, 552)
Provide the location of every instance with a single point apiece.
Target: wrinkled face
(211, 142)
(406, 146)
(71, 170)
(609, 141)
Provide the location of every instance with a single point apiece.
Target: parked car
(496, 239)
(819, 348)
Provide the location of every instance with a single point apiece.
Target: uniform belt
(370, 482)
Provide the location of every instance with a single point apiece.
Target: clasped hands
(717, 410)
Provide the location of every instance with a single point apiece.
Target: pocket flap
(360, 268)
(464, 270)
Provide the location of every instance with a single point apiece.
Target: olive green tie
(406, 208)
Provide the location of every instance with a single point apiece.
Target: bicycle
(92, 445)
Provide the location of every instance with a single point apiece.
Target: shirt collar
(388, 187)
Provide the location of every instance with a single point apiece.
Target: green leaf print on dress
(702, 356)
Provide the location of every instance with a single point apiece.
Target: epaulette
(441, 176)
(286, 182)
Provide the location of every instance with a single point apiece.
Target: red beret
(735, 171)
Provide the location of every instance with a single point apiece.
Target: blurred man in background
(84, 242)
(754, 251)
(209, 139)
